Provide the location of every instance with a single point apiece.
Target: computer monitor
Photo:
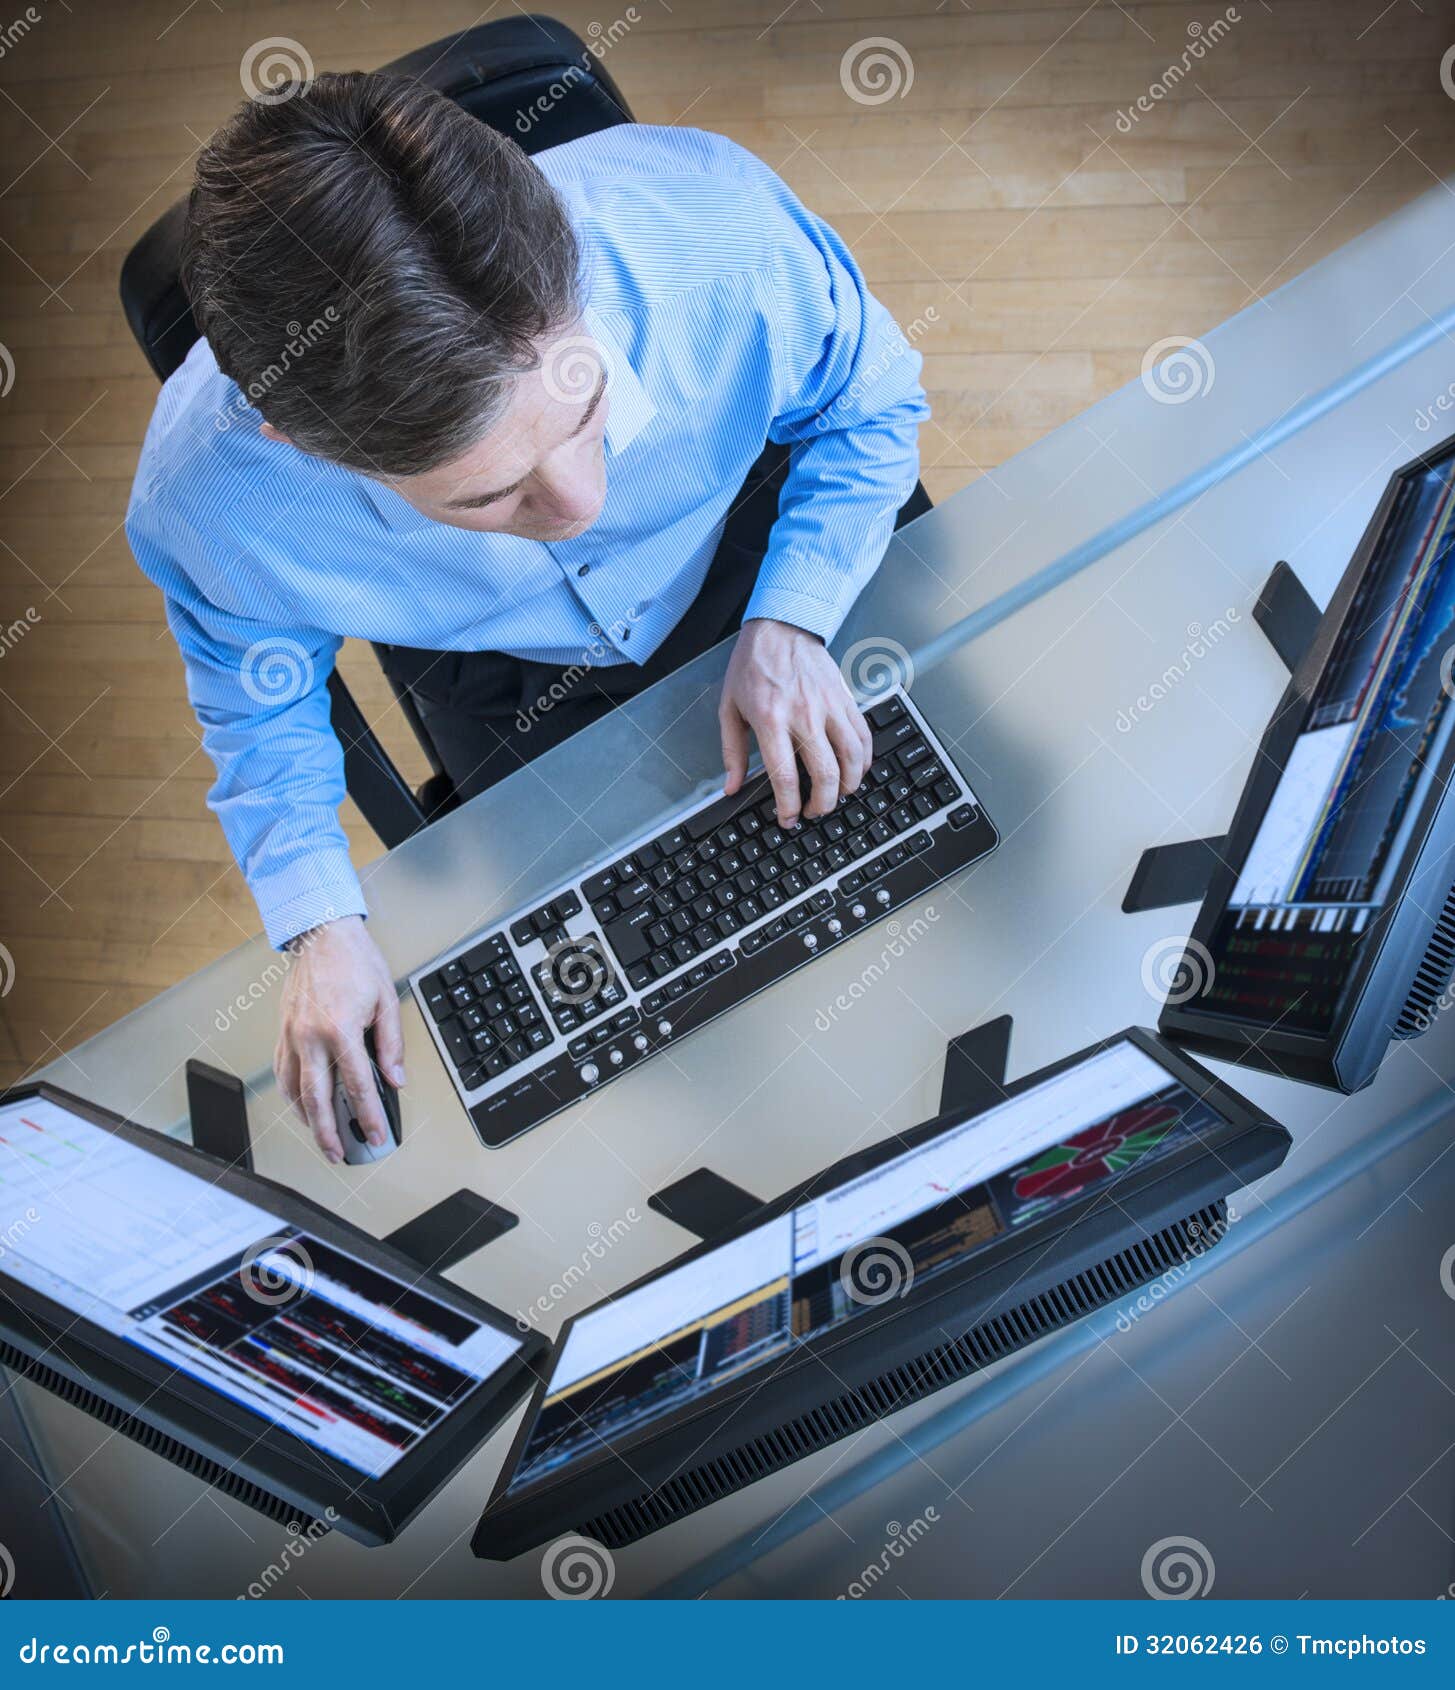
(891, 1275)
(1329, 926)
(236, 1328)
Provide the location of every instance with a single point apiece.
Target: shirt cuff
(781, 604)
(318, 888)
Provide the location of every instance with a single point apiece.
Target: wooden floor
(1042, 245)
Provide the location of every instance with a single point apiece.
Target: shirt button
(626, 634)
(585, 569)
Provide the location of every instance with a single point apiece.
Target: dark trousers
(484, 709)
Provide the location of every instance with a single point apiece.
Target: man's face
(539, 473)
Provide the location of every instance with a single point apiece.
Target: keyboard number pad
(577, 981)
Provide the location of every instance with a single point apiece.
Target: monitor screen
(684, 1333)
(354, 1361)
(1328, 853)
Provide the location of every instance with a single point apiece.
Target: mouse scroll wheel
(357, 1130)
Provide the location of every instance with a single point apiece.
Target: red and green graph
(1087, 1158)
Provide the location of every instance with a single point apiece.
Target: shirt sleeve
(260, 692)
(849, 403)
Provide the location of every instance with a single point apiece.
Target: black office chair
(495, 71)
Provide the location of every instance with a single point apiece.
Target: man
(505, 418)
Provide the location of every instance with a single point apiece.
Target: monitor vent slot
(1432, 977)
(988, 1342)
(160, 1443)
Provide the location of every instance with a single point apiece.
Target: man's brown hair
(372, 266)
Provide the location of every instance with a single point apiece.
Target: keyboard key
(721, 963)
(486, 952)
(751, 942)
(523, 933)
(698, 977)
(881, 715)
(946, 791)
(538, 1038)
(672, 842)
(599, 885)
(899, 732)
(923, 805)
(627, 935)
(963, 816)
(913, 753)
(654, 1002)
(640, 974)
(452, 974)
(567, 905)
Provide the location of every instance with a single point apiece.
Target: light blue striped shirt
(727, 315)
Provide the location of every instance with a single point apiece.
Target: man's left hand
(783, 685)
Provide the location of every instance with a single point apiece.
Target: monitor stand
(975, 1068)
(1179, 873)
(704, 1203)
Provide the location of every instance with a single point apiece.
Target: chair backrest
(529, 77)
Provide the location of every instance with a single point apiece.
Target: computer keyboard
(651, 943)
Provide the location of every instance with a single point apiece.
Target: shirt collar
(631, 411)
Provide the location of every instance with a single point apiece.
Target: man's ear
(268, 432)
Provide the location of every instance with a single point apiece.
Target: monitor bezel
(1167, 1190)
(373, 1511)
(1348, 1057)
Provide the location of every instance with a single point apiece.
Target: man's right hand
(338, 987)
